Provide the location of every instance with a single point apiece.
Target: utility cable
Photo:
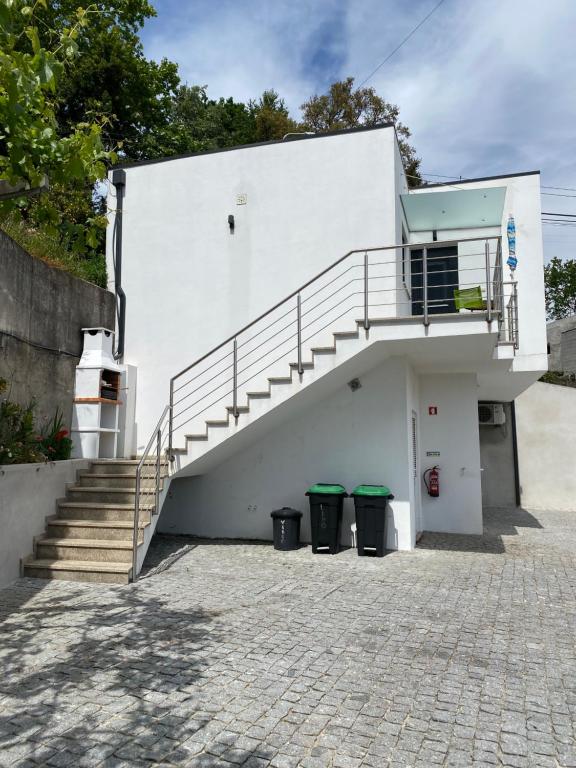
(408, 36)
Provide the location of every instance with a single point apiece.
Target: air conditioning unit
(491, 414)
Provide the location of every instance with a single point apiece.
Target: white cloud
(486, 87)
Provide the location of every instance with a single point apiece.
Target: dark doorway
(442, 280)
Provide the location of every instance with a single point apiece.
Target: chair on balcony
(469, 298)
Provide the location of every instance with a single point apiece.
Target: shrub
(20, 441)
(53, 441)
(18, 437)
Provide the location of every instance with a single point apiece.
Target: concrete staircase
(90, 537)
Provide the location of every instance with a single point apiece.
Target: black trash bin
(326, 501)
(286, 528)
(370, 503)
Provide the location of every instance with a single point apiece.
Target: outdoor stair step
(218, 423)
(280, 380)
(100, 505)
(78, 570)
(196, 438)
(239, 408)
(95, 550)
(112, 482)
(258, 395)
(346, 335)
(323, 350)
(305, 366)
(90, 529)
(94, 523)
(92, 543)
(79, 510)
(75, 492)
(120, 466)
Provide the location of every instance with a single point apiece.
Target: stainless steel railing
(149, 492)
(362, 282)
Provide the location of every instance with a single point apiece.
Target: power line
(566, 189)
(568, 215)
(408, 36)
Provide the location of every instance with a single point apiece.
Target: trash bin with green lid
(370, 502)
(326, 502)
(286, 528)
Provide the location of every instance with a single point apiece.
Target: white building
(275, 275)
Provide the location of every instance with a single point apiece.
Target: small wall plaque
(432, 410)
(241, 199)
(432, 453)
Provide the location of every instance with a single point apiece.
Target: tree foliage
(342, 107)
(31, 145)
(34, 58)
(560, 280)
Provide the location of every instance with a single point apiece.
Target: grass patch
(52, 251)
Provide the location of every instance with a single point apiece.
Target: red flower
(61, 434)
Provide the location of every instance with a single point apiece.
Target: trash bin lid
(286, 513)
(372, 490)
(328, 489)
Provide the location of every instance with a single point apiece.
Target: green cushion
(469, 298)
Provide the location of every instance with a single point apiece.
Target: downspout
(515, 454)
(119, 181)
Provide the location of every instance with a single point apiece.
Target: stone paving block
(234, 654)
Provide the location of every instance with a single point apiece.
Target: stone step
(92, 550)
(123, 466)
(109, 480)
(93, 529)
(239, 408)
(103, 495)
(78, 570)
(80, 510)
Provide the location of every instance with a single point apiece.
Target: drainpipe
(515, 454)
(119, 181)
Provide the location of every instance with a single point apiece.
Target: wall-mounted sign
(241, 199)
(432, 453)
(432, 410)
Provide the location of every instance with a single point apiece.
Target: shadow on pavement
(498, 522)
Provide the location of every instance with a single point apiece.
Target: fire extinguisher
(432, 481)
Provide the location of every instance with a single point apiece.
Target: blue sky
(486, 86)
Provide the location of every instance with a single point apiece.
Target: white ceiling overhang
(454, 209)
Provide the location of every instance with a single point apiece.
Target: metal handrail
(155, 437)
(495, 306)
(491, 289)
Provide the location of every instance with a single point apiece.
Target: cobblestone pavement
(461, 653)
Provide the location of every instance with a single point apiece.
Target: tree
(32, 148)
(560, 280)
(112, 76)
(108, 83)
(197, 123)
(345, 107)
(271, 118)
(33, 60)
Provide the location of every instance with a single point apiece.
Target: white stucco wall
(453, 431)
(28, 494)
(349, 438)
(545, 419)
(190, 283)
